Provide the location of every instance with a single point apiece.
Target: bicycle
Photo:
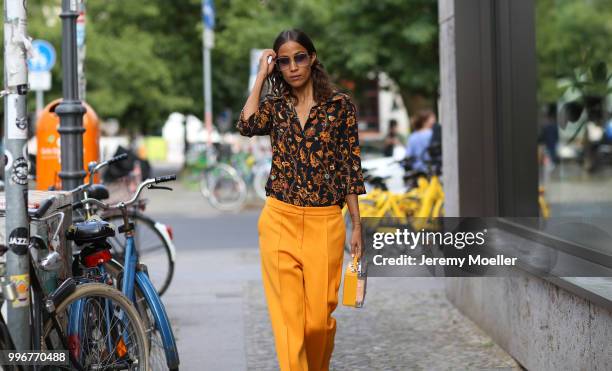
(154, 242)
(220, 183)
(132, 277)
(420, 206)
(54, 325)
(254, 172)
(7, 292)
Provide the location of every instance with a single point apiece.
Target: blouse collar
(335, 96)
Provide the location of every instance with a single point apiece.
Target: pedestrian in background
(392, 139)
(316, 168)
(420, 139)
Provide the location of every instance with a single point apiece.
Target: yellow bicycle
(419, 206)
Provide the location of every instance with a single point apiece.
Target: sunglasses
(301, 60)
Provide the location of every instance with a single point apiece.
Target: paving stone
(406, 324)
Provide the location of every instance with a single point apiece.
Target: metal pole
(208, 22)
(80, 29)
(70, 110)
(16, 177)
(207, 88)
(40, 103)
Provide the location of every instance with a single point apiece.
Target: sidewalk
(407, 324)
(219, 314)
(221, 322)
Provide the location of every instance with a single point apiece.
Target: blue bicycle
(132, 277)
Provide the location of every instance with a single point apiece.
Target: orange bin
(48, 145)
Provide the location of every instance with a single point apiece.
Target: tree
(394, 36)
(144, 59)
(570, 37)
(354, 38)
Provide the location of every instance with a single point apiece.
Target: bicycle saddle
(97, 191)
(42, 208)
(89, 231)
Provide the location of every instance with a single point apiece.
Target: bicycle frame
(132, 275)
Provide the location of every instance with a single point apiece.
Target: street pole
(208, 18)
(207, 92)
(70, 110)
(16, 175)
(80, 30)
(40, 103)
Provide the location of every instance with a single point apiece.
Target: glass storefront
(574, 55)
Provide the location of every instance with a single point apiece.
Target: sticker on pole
(19, 173)
(22, 285)
(17, 126)
(8, 160)
(18, 241)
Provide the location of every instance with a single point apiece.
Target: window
(574, 51)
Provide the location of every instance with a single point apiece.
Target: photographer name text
(406, 260)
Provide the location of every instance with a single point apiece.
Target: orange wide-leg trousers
(301, 258)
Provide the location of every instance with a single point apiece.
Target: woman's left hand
(356, 242)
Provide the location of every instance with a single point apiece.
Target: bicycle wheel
(154, 247)
(157, 355)
(103, 330)
(223, 187)
(157, 350)
(7, 344)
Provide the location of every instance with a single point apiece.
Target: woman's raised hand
(266, 68)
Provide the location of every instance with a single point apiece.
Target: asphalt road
(213, 231)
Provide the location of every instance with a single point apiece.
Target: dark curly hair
(323, 88)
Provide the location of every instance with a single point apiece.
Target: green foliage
(144, 58)
(572, 38)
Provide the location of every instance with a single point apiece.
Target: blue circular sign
(44, 56)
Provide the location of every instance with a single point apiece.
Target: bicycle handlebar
(165, 178)
(122, 156)
(145, 184)
(94, 168)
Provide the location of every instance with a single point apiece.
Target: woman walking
(316, 168)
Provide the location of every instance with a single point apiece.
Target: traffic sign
(208, 14)
(39, 80)
(44, 56)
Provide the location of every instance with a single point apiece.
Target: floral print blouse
(317, 165)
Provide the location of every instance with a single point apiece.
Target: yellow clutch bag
(354, 288)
